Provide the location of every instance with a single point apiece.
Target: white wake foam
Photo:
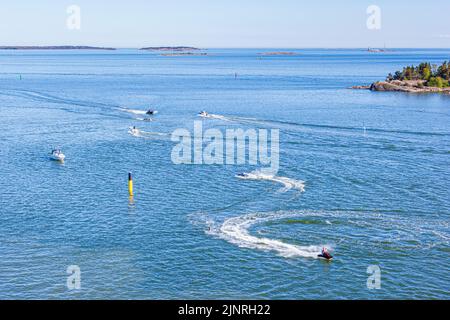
(288, 183)
(145, 134)
(134, 132)
(215, 116)
(236, 231)
(382, 230)
(136, 111)
(145, 119)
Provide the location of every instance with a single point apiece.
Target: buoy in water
(130, 184)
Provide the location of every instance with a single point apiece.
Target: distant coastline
(279, 53)
(53, 48)
(377, 50)
(181, 54)
(178, 49)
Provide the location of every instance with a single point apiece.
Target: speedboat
(204, 114)
(57, 155)
(151, 112)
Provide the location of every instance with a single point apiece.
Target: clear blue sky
(227, 23)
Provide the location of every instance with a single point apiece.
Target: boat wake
(147, 134)
(236, 231)
(296, 126)
(288, 183)
(44, 97)
(392, 231)
(215, 116)
(145, 119)
(135, 111)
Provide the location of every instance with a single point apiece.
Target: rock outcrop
(411, 86)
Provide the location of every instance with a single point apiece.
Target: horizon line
(225, 47)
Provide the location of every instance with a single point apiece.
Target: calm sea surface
(375, 169)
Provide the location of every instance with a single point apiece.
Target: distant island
(53, 48)
(377, 50)
(278, 53)
(176, 51)
(180, 49)
(181, 54)
(423, 78)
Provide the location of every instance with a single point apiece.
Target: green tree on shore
(437, 82)
(431, 75)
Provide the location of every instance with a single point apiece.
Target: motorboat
(204, 114)
(151, 112)
(57, 155)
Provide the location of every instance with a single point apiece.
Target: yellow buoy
(130, 184)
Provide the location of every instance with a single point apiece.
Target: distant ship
(377, 49)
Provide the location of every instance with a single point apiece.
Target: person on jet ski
(325, 254)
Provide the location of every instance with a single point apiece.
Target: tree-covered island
(425, 77)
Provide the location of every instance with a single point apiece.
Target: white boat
(203, 114)
(57, 155)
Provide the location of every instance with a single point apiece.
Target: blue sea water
(375, 167)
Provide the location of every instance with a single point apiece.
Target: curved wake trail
(236, 231)
(288, 183)
(381, 230)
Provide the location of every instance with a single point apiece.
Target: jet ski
(204, 114)
(151, 112)
(242, 175)
(325, 255)
(57, 155)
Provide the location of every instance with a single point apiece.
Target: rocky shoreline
(53, 48)
(409, 86)
(423, 78)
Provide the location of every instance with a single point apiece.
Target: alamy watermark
(374, 20)
(73, 21)
(374, 280)
(234, 147)
(74, 278)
